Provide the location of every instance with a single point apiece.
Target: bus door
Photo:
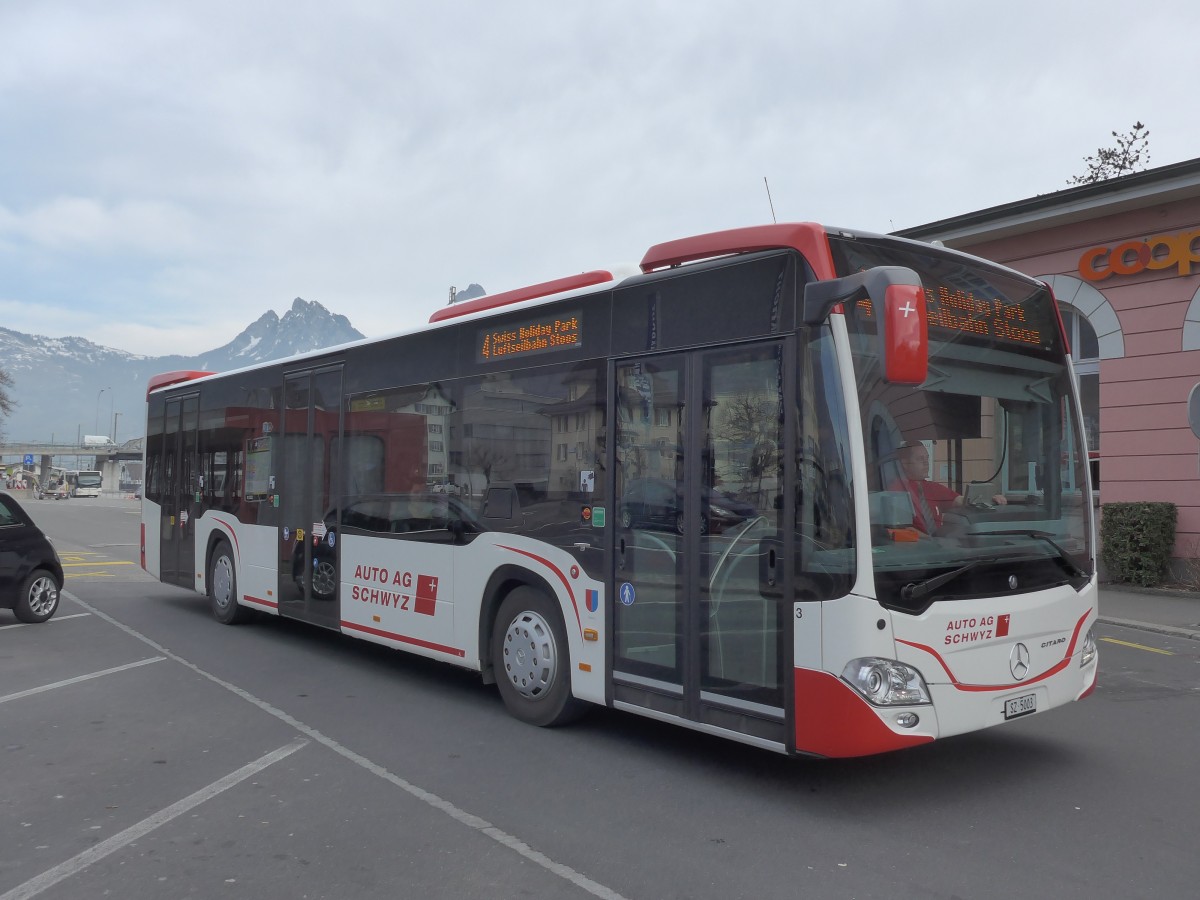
(699, 620)
(181, 492)
(307, 484)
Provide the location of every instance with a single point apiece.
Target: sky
(169, 171)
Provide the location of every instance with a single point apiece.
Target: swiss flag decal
(426, 600)
(1002, 625)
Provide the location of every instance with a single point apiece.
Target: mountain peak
(307, 325)
(56, 380)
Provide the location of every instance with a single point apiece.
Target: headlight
(886, 682)
(721, 512)
(1088, 653)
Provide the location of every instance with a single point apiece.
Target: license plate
(1020, 706)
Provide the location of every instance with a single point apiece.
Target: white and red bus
(85, 483)
(819, 491)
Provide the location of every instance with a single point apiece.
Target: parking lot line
(458, 814)
(47, 622)
(81, 861)
(50, 687)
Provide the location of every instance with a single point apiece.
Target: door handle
(769, 550)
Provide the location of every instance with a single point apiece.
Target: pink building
(1123, 259)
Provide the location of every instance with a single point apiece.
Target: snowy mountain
(68, 387)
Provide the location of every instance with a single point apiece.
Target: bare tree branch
(1131, 153)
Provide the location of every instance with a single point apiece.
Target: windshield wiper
(1063, 556)
(917, 590)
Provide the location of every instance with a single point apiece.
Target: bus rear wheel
(222, 588)
(532, 661)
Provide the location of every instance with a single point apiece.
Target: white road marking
(47, 622)
(79, 678)
(78, 863)
(459, 815)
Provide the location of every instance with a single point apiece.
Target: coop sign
(1165, 251)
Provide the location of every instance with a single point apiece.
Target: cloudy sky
(171, 170)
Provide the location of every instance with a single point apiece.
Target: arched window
(1085, 355)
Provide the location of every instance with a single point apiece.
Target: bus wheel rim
(530, 656)
(221, 581)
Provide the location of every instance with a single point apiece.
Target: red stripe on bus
(270, 604)
(557, 571)
(232, 534)
(977, 688)
(166, 379)
(544, 289)
(833, 720)
(403, 639)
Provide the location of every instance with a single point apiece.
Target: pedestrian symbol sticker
(627, 594)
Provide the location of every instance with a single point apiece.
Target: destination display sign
(542, 335)
(963, 311)
(953, 309)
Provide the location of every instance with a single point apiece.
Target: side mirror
(897, 307)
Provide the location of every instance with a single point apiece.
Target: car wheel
(531, 659)
(38, 599)
(324, 579)
(681, 525)
(222, 588)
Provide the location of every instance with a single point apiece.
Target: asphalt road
(150, 752)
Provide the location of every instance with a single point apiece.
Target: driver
(929, 498)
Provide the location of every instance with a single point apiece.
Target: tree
(749, 426)
(1131, 153)
(7, 403)
(486, 458)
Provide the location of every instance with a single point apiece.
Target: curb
(1181, 593)
(1171, 630)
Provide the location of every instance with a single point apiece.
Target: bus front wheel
(222, 588)
(532, 660)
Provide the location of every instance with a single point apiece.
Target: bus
(819, 491)
(84, 482)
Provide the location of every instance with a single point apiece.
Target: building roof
(1151, 187)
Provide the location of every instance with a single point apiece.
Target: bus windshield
(977, 478)
(88, 479)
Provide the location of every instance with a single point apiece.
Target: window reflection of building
(434, 407)
(650, 415)
(576, 435)
(503, 433)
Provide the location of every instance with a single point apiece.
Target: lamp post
(101, 391)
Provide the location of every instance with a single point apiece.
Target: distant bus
(687, 491)
(84, 483)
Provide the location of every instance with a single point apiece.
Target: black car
(30, 572)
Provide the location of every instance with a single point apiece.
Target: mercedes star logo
(1018, 661)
